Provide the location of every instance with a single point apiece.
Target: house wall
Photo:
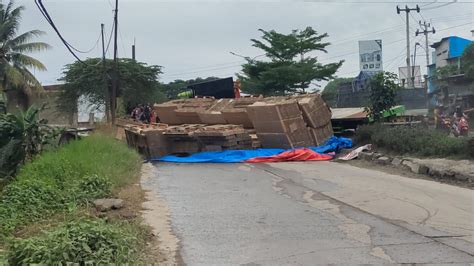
(18, 100)
(51, 112)
(442, 54)
(411, 98)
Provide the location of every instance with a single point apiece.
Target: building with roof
(447, 52)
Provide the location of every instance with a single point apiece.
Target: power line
(48, 18)
(234, 63)
(465, 24)
(443, 5)
(434, 2)
(123, 44)
(386, 2)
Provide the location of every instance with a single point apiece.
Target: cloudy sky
(194, 38)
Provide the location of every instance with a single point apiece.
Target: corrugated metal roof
(348, 113)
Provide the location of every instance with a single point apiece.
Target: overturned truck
(193, 125)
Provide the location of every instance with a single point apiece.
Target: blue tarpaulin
(237, 156)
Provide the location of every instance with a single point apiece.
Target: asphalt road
(312, 213)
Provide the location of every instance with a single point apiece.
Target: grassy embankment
(416, 141)
(45, 211)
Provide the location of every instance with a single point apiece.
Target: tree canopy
(383, 92)
(291, 66)
(138, 83)
(15, 64)
(329, 93)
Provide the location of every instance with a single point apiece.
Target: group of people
(143, 113)
(456, 123)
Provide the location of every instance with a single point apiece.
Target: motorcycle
(462, 127)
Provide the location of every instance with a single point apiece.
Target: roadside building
(447, 54)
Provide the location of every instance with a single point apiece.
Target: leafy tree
(291, 67)
(138, 83)
(467, 62)
(172, 89)
(383, 92)
(15, 65)
(329, 93)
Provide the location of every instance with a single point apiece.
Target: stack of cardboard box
(317, 116)
(236, 112)
(223, 137)
(183, 111)
(181, 140)
(279, 124)
(214, 116)
(148, 141)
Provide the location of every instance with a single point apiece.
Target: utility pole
(426, 30)
(106, 83)
(133, 49)
(115, 83)
(407, 10)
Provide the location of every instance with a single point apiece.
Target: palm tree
(15, 65)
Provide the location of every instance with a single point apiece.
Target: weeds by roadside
(85, 241)
(418, 141)
(63, 182)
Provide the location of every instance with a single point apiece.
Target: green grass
(82, 242)
(417, 141)
(62, 180)
(51, 191)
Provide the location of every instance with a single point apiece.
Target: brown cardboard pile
(236, 112)
(317, 116)
(279, 124)
(214, 116)
(181, 139)
(223, 137)
(148, 141)
(183, 111)
(274, 122)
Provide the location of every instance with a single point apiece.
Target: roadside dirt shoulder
(391, 169)
(156, 214)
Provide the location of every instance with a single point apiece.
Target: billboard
(370, 56)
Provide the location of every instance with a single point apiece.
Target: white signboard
(415, 73)
(370, 56)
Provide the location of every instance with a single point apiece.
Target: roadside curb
(416, 168)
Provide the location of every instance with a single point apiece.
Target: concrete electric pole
(407, 10)
(106, 83)
(426, 31)
(115, 83)
(133, 49)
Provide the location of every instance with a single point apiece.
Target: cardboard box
(166, 114)
(214, 116)
(236, 112)
(282, 117)
(237, 116)
(300, 138)
(188, 115)
(183, 111)
(316, 112)
(321, 135)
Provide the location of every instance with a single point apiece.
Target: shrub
(83, 242)
(58, 181)
(22, 136)
(414, 140)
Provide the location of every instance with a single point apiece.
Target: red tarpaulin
(302, 154)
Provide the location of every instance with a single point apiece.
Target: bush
(22, 136)
(414, 141)
(58, 181)
(85, 242)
